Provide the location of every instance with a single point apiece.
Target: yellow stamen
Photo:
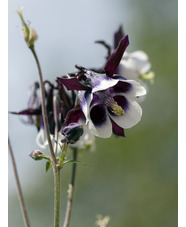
(148, 76)
(116, 109)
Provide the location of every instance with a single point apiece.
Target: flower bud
(32, 35)
(37, 155)
(29, 34)
(72, 133)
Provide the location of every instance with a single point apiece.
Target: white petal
(141, 60)
(132, 115)
(139, 55)
(128, 69)
(41, 139)
(102, 82)
(137, 89)
(87, 138)
(85, 99)
(103, 131)
(134, 64)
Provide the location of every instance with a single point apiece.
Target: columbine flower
(108, 101)
(133, 66)
(136, 66)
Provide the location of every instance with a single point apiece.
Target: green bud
(29, 34)
(37, 155)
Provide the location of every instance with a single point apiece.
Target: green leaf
(70, 161)
(48, 165)
(63, 156)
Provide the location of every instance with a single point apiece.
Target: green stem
(56, 169)
(71, 190)
(44, 112)
(20, 194)
(57, 197)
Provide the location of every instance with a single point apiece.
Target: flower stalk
(44, 112)
(57, 197)
(71, 190)
(20, 194)
(56, 123)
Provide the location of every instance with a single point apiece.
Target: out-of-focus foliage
(132, 179)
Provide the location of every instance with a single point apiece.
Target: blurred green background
(133, 180)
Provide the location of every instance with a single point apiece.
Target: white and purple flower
(133, 66)
(107, 101)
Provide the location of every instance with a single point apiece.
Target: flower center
(115, 108)
(105, 98)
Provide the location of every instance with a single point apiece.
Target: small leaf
(70, 161)
(63, 156)
(48, 165)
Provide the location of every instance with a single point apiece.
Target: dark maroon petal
(115, 58)
(63, 96)
(28, 112)
(72, 83)
(118, 36)
(121, 87)
(98, 115)
(34, 101)
(117, 130)
(73, 115)
(72, 133)
(49, 99)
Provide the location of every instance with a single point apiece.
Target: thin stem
(57, 197)
(71, 190)
(44, 112)
(56, 124)
(20, 194)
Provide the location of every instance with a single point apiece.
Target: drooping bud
(37, 155)
(72, 133)
(29, 34)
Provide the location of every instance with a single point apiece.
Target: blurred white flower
(136, 66)
(102, 221)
